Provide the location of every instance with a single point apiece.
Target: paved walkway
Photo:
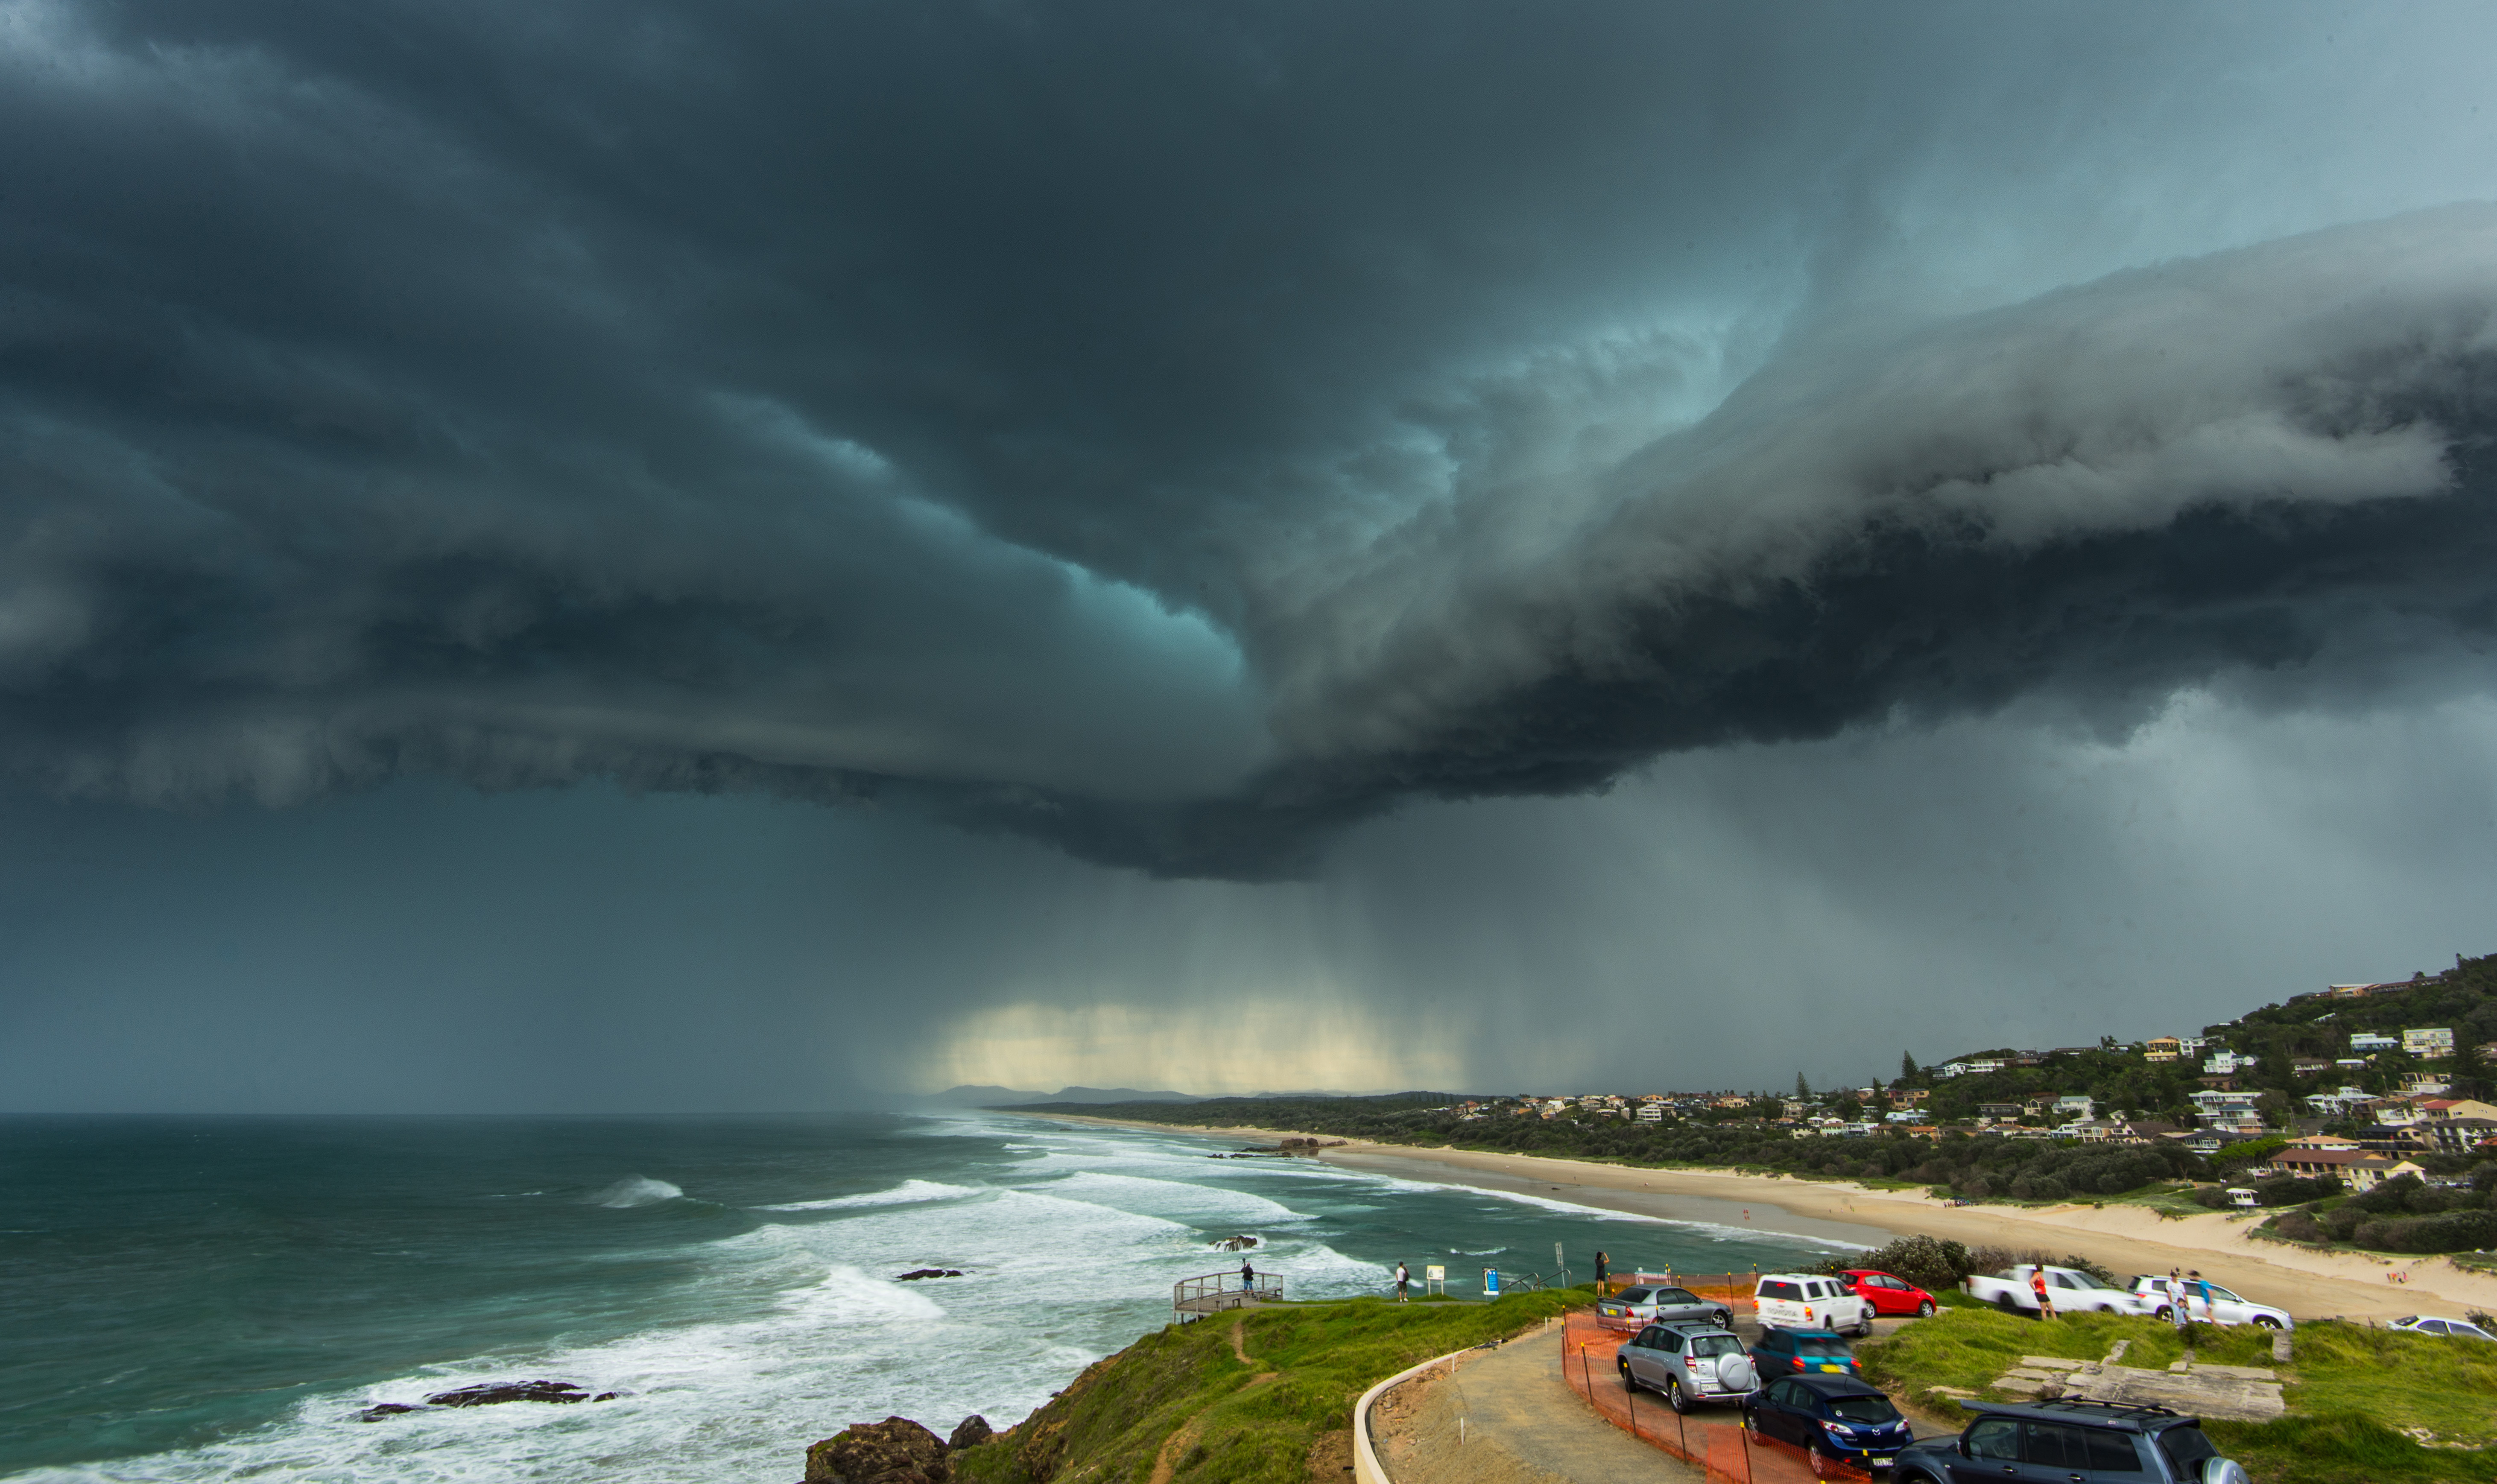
(1506, 1418)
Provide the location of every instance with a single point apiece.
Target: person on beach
(2037, 1285)
(1401, 1279)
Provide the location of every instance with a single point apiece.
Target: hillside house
(2429, 1043)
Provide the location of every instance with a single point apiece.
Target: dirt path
(1520, 1425)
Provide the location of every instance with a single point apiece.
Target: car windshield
(2218, 1292)
(1826, 1349)
(1634, 1295)
(1872, 1412)
(1715, 1344)
(1676, 1296)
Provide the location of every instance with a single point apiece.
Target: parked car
(1835, 1418)
(1636, 1308)
(2422, 1324)
(1890, 1294)
(1689, 1363)
(2089, 1443)
(1801, 1352)
(2071, 1291)
(2225, 1307)
(1810, 1301)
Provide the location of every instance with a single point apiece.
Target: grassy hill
(1241, 1398)
(2350, 1389)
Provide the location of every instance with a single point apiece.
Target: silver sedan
(1635, 1309)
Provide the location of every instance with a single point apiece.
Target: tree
(1803, 1090)
(2468, 1076)
(1908, 1067)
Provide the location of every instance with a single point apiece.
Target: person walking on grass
(1402, 1278)
(2037, 1285)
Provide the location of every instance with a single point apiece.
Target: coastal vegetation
(2357, 1396)
(1241, 1398)
(1972, 1165)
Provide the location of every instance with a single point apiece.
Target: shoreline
(2126, 1239)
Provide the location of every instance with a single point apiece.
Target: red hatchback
(1890, 1295)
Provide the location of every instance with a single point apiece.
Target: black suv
(2070, 1442)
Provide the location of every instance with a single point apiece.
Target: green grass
(1110, 1423)
(2349, 1388)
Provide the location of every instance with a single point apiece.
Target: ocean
(217, 1299)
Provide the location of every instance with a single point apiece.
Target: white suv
(1809, 1301)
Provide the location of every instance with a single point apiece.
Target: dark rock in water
(386, 1409)
(510, 1391)
(894, 1451)
(607, 1395)
(974, 1431)
(918, 1274)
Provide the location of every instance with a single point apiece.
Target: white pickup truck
(2068, 1290)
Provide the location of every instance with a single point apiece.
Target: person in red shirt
(2037, 1285)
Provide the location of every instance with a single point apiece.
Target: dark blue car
(1801, 1352)
(1834, 1417)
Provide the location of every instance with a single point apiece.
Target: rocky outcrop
(894, 1451)
(488, 1395)
(972, 1432)
(916, 1274)
(509, 1391)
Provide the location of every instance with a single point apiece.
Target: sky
(652, 558)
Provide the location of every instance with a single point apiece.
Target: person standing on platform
(1402, 1278)
(1248, 1276)
(1604, 1269)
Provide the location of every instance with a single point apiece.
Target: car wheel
(1925, 1309)
(1724, 1318)
(2265, 1322)
(2003, 1303)
(1752, 1425)
(1823, 1467)
(1673, 1393)
(2166, 1314)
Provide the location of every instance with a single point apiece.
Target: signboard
(1436, 1275)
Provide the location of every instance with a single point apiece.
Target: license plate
(1835, 1369)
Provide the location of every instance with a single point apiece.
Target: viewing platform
(1193, 1298)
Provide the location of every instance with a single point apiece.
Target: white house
(2433, 1044)
(2373, 1041)
(2227, 1064)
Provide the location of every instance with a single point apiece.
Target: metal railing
(1195, 1297)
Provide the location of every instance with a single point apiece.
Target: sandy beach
(2127, 1238)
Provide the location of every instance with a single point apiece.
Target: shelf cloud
(1174, 434)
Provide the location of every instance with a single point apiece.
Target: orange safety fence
(1709, 1436)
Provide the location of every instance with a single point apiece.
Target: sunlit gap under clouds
(1251, 1043)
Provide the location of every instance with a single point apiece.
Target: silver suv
(1688, 1363)
(1645, 1304)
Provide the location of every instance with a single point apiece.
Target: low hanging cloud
(1170, 438)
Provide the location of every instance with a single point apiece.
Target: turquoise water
(202, 1299)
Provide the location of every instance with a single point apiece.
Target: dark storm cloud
(1171, 432)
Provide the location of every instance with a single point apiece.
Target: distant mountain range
(983, 1096)
(993, 1097)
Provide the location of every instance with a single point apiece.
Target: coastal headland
(2123, 1238)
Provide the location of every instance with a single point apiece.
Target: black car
(1801, 1352)
(1832, 1417)
(2071, 1442)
